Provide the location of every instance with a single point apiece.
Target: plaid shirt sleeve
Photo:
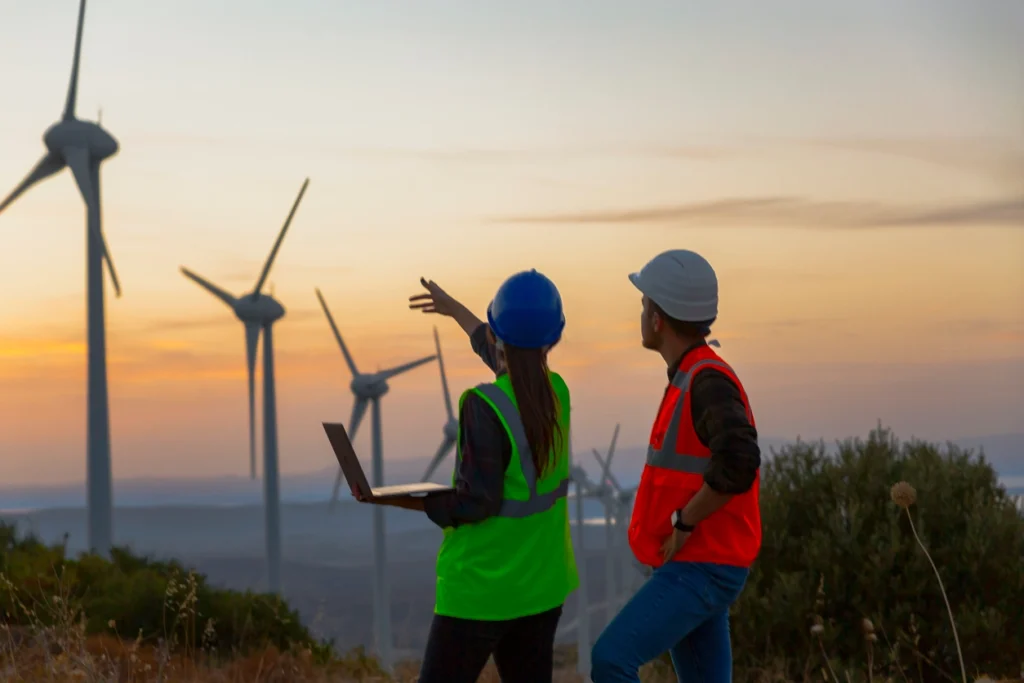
(483, 347)
(721, 423)
(485, 453)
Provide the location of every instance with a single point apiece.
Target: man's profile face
(649, 337)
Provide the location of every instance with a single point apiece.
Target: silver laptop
(353, 471)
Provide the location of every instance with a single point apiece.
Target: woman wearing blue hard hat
(506, 564)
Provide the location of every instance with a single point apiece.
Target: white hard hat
(682, 283)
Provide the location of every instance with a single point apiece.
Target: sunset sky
(853, 170)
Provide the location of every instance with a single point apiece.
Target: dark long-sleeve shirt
(486, 452)
(720, 420)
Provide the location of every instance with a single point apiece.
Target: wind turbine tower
(82, 146)
(451, 427)
(258, 312)
(368, 389)
(618, 502)
(610, 503)
(583, 642)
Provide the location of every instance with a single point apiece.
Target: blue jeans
(683, 608)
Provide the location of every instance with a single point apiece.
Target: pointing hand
(435, 300)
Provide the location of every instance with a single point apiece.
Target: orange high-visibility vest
(676, 462)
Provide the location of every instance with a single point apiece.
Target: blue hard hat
(527, 311)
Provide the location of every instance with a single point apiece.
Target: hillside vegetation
(842, 590)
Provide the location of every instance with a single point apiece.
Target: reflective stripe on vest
(666, 456)
(537, 502)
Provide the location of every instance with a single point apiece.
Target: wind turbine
(451, 427)
(82, 146)
(583, 644)
(258, 312)
(609, 502)
(369, 388)
(618, 502)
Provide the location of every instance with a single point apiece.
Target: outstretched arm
(436, 300)
(465, 318)
(483, 345)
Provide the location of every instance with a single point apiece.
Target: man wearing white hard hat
(696, 520)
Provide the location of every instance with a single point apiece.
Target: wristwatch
(677, 522)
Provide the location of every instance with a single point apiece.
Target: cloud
(998, 159)
(798, 212)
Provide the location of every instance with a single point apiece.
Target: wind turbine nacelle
(82, 134)
(263, 309)
(451, 430)
(368, 386)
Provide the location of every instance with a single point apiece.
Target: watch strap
(677, 522)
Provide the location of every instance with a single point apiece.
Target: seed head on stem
(904, 495)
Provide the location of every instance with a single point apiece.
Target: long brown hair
(538, 404)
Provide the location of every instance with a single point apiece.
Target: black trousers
(523, 649)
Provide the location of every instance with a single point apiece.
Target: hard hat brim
(635, 279)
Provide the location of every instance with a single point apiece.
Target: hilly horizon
(1004, 451)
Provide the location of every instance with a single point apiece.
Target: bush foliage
(836, 550)
(137, 598)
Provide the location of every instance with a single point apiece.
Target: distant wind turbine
(82, 146)
(258, 312)
(451, 427)
(367, 389)
(618, 502)
(610, 505)
(583, 643)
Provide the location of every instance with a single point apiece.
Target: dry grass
(66, 658)
(107, 659)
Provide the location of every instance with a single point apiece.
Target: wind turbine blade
(337, 335)
(388, 374)
(606, 473)
(210, 287)
(46, 167)
(444, 378)
(94, 177)
(252, 339)
(78, 161)
(358, 411)
(277, 244)
(446, 447)
(69, 105)
(611, 448)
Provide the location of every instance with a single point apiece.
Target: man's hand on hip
(673, 543)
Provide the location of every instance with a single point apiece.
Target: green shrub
(138, 598)
(836, 550)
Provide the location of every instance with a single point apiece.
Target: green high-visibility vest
(521, 561)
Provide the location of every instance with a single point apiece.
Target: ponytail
(538, 405)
